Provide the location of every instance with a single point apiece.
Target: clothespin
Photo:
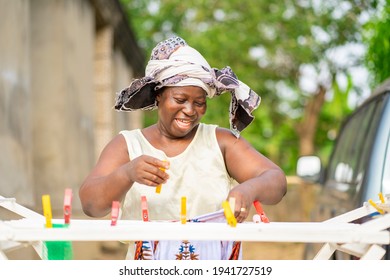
(382, 199)
(183, 212)
(158, 188)
(47, 210)
(114, 212)
(260, 212)
(231, 220)
(144, 206)
(67, 205)
(373, 204)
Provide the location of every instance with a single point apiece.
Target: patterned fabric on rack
(190, 249)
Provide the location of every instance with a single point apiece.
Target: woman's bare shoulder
(224, 135)
(116, 147)
(227, 140)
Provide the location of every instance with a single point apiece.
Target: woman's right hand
(114, 169)
(147, 170)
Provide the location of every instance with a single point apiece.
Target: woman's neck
(171, 146)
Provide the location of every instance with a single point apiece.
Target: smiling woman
(203, 163)
(185, 105)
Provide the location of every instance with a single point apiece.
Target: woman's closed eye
(180, 101)
(200, 104)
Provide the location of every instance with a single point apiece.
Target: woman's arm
(113, 176)
(258, 177)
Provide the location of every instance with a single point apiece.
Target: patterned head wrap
(174, 63)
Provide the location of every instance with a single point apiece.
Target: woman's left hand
(242, 202)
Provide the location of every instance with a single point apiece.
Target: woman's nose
(189, 109)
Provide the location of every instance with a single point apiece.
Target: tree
(377, 38)
(285, 51)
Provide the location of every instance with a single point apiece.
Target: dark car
(359, 166)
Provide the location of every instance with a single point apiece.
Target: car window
(368, 140)
(347, 166)
(386, 170)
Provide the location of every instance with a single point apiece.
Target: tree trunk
(308, 126)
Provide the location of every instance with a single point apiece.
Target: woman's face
(180, 109)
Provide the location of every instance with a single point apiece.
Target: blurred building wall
(16, 178)
(61, 63)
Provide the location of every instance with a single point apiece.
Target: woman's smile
(183, 123)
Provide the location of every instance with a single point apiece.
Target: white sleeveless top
(199, 174)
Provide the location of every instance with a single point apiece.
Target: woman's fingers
(148, 170)
(242, 214)
(242, 202)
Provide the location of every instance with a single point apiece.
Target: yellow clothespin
(183, 212)
(158, 188)
(231, 220)
(382, 199)
(47, 210)
(373, 204)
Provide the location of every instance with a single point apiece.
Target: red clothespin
(67, 205)
(144, 206)
(260, 212)
(114, 212)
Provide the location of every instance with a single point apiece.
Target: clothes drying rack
(365, 241)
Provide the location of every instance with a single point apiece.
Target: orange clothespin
(183, 212)
(231, 220)
(144, 206)
(114, 212)
(158, 188)
(260, 212)
(67, 205)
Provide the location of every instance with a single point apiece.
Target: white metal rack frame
(362, 240)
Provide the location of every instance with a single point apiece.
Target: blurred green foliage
(377, 37)
(268, 45)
